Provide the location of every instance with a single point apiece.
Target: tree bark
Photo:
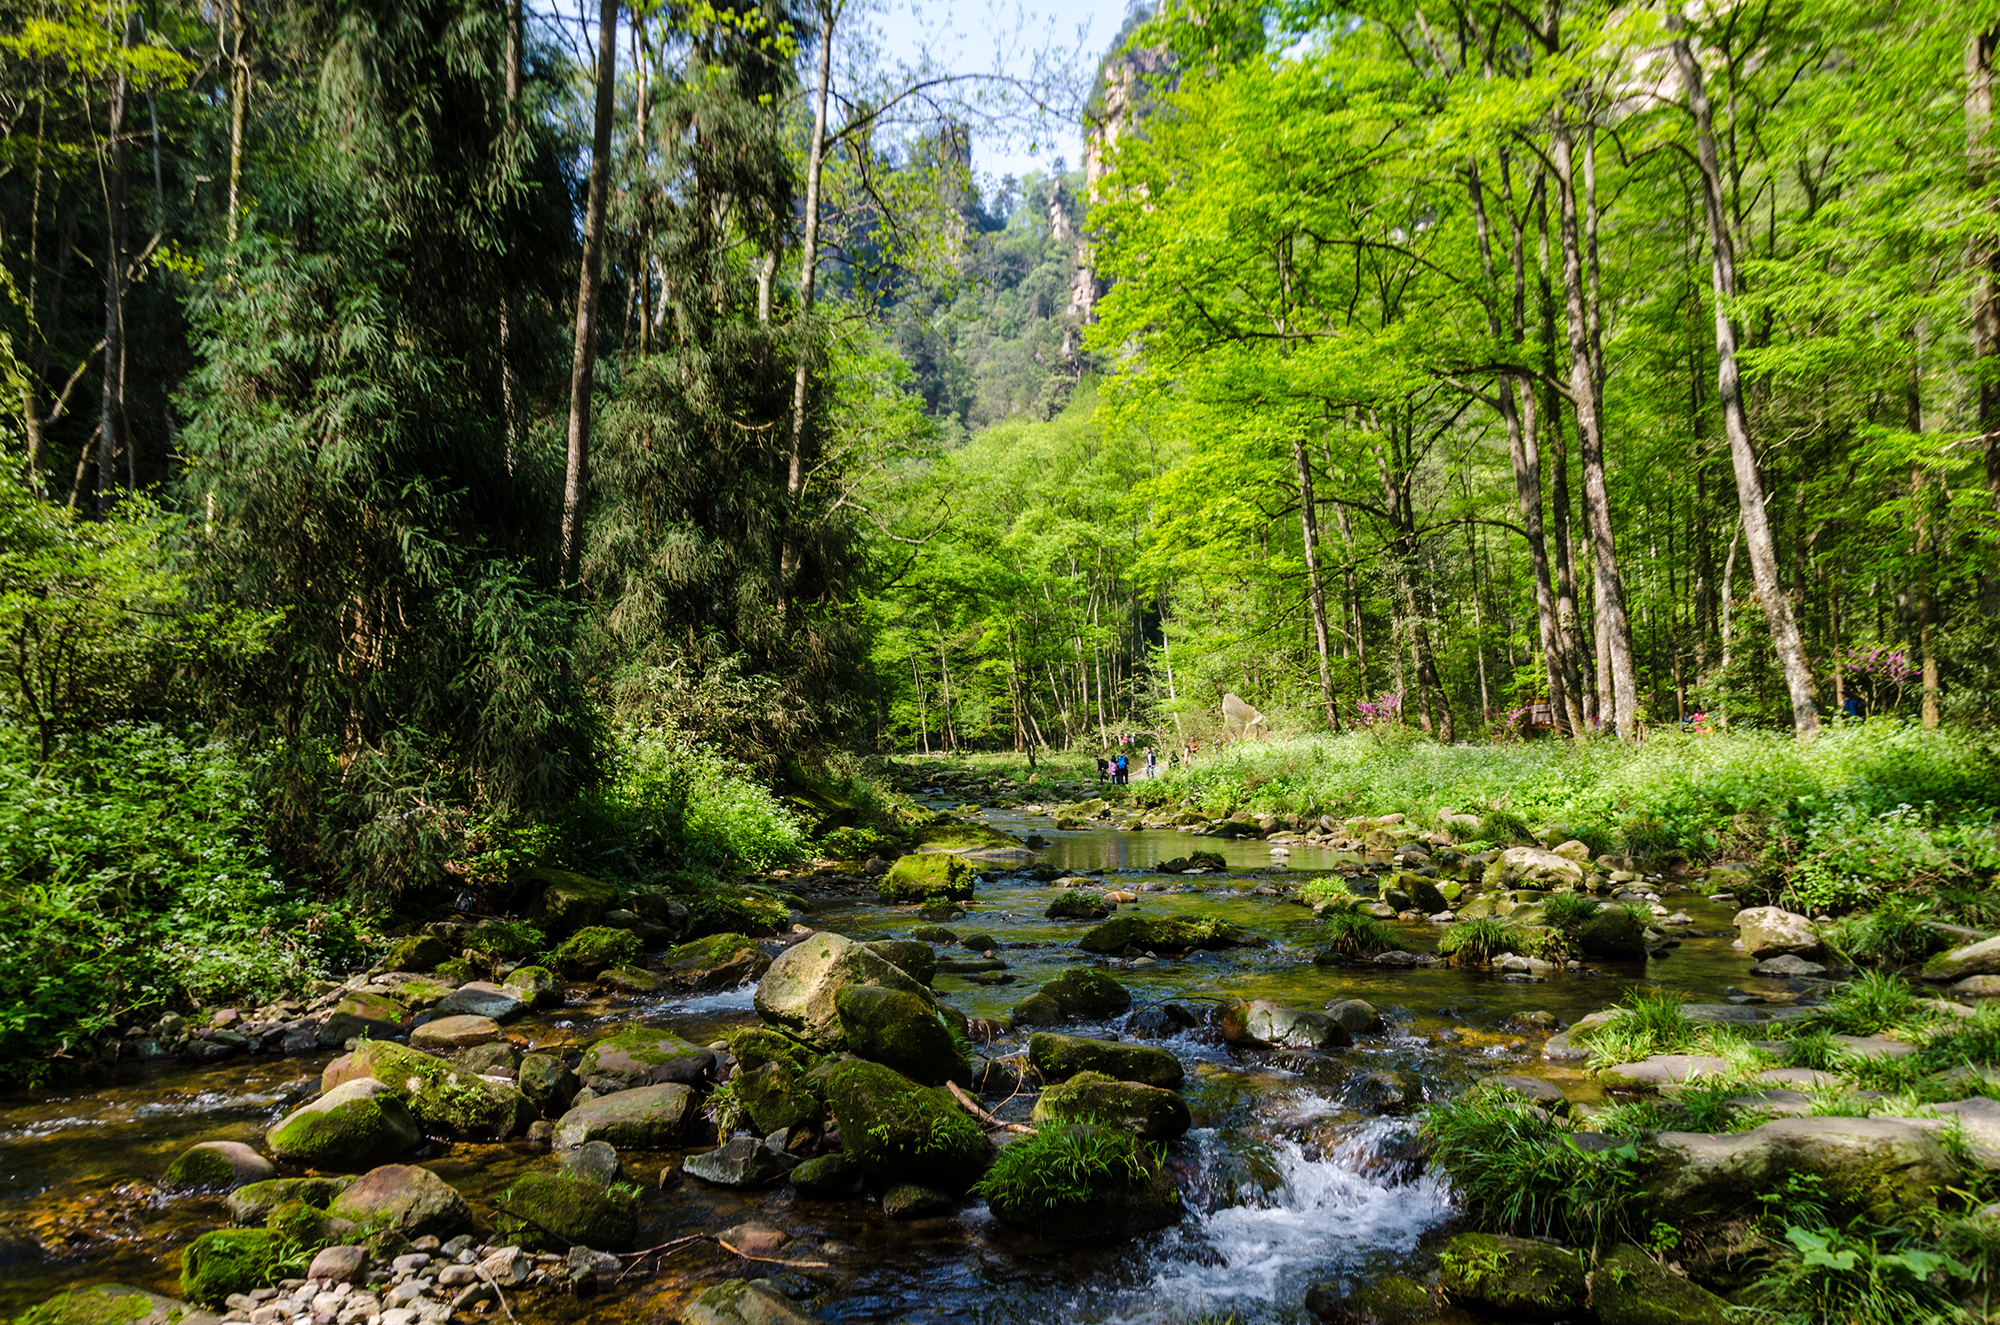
(1316, 590)
(1984, 257)
(510, 403)
(795, 473)
(111, 412)
(239, 111)
(576, 472)
(1736, 425)
(1614, 626)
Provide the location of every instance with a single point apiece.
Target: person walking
(1152, 764)
(1124, 770)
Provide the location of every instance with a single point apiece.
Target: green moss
(1078, 906)
(456, 971)
(99, 1304)
(1085, 991)
(1060, 1057)
(932, 876)
(569, 902)
(419, 952)
(230, 1260)
(711, 950)
(505, 940)
(903, 1132)
(588, 951)
(445, 1101)
(201, 1167)
(552, 1212)
(1092, 1097)
(965, 836)
(423, 993)
(912, 958)
(1630, 1287)
(1163, 934)
(253, 1204)
(353, 1134)
(1512, 1277)
(757, 1045)
(902, 1030)
(298, 1223)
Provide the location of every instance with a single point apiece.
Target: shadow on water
(1293, 1175)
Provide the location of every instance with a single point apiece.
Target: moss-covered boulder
(404, 1199)
(903, 1132)
(356, 1125)
(568, 902)
(1391, 1300)
(629, 980)
(643, 1056)
(250, 1206)
(1263, 1024)
(359, 1013)
(1060, 1057)
(114, 1304)
(798, 994)
(593, 949)
(217, 1166)
(1613, 934)
(915, 959)
(1883, 1167)
(537, 986)
(1630, 1287)
(417, 953)
(1078, 906)
(1085, 991)
(230, 1260)
(647, 1118)
(744, 1302)
(754, 1046)
(554, 1212)
(1036, 1010)
(1148, 1112)
(1078, 1182)
(931, 876)
(775, 1099)
(1170, 934)
(444, 1100)
(967, 837)
(548, 1083)
(902, 1030)
(834, 1177)
(720, 961)
(1512, 1277)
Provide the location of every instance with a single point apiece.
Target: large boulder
(536, 986)
(217, 1166)
(446, 1034)
(1148, 1112)
(553, 1212)
(916, 959)
(1111, 1185)
(1512, 1277)
(1156, 934)
(444, 1101)
(356, 1125)
(744, 1302)
(1060, 1057)
(903, 1132)
(483, 998)
(800, 991)
(405, 1199)
(648, 1118)
(99, 1303)
(363, 1013)
(1085, 991)
(1878, 1166)
(251, 1205)
(1981, 958)
(742, 1162)
(593, 949)
(902, 1030)
(1772, 931)
(548, 1083)
(720, 961)
(568, 902)
(1534, 867)
(1631, 1287)
(222, 1263)
(643, 1056)
(417, 953)
(774, 1098)
(1263, 1024)
(931, 876)
(1613, 934)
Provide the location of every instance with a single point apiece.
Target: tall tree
(583, 358)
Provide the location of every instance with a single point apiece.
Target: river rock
(597, 948)
(217, 1166)
(1059, 1057)
(1772, 931)
(568, 902)
(742, 1162)
(412, 1201)
(910, 1200)
(1532, 865)
(1132, 1193)
(1977, 986)
(1981, 958)
(448, 1033)
(902, 1030)
(1631, 1287)
(1148, 1112)
(903, 1132)
(483, 998)
(1036, 1010)
(628, 980)
(914, 959)
(360, 1013)
(1787, 965)
(643, 1056)
(1613, 934)
(1170, 934)
(339, 1265)
(1571, 1046)
(1531, 1090)
(418, 952)
(644, 1118)
(717, 962)
(832, 1177)
(548, 1083)
(800, 990)
(774, 1098)
(98, 1304)
(1262, 1024)
(1391, 1300)
(1355, 1016)
(744, 1302)
(593, 1161)
(250, 1206)
(356, 1125)
(1512, 1277)
(925, 878)
(444, 1100)
(1664, 1070)
(1876, 1165)
(553, 1212)
(1978, 1122)
(1085, 991)
(536, 986)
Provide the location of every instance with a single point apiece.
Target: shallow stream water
(1295, 1173)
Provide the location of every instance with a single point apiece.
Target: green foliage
(1505, 826)
(1822, 1274)
(1475, 942)
(852, 843)
(1057, 1167)
(673, 806)
(1569, 911)
(1891, 933)
(1350, 934)
(1515, 1168)
(1649, 1022)
(505, 940)
(1871, 1003)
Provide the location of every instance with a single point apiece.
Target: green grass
(1348, 934)
(1064, 1166)
(1475, 942)
(1516, 1169)
(1569, 911)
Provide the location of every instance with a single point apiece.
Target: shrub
(1516, 1168)
(1351, 934)
(673, 805)
(1062, 1166)
(505, 940)
(1505, 826)
(1474, 942)
(1569, 911)
(1822, 1273)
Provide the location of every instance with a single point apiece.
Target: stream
(1301, 1169)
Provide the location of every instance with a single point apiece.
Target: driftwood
(971, 1106)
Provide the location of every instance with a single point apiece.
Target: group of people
(1117, 768)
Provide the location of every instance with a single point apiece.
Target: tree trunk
(1984, 257)
(1316, 590)
(795, 473)
(239, 110)
(1346, 524)
(111, 412)
(576, 472)
(1615, 629)
(510, 403)
(1729, 389)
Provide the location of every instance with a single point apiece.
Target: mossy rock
(720, 961)
(568, 902)
(1512, 1277)
(915, 960)
(798, 994)
(548, 1083)
(1391, 1300)
(553, 1212)
(774, 1098)
(903, 1132)
(644, 1118)
(933, 934)
(1629, 1287)
(629, 980)
(356, 1125)
(412, 1201)
(1207, 860)
(364, 1014)
(593, 949)
(417, 995)
(1078, 906)
(113, 1304)
(252, 1205)
(966, 837)
(537, 986)
(644, 1056)
(1060, 1057)
(417, 953)
(1148, 1112)
(927, 878)
(903, 1031)
(1036, 1010)
(455, 971)
(230, 1260)
(834, 1177)
(1136, 933)
(300, 1224)
(217, 1166)
(1079, 1183)
(1085, 991)
(754, 1046)
(444, 1101)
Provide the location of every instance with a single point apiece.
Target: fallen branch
(971, 1106)
(494, 1284)
(638, 1257)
